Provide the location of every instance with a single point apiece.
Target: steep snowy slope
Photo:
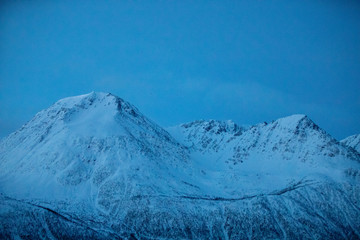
(352, 141)
(94, 167)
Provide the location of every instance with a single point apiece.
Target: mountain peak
(75, 100)
(96, 114)
(90, 98)
(107, 102)
(296, 123)
(292, 120)
(352, 141)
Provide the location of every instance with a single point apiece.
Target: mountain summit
(352, 141)
(93, 166)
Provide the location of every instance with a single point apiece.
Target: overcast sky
(178, 61)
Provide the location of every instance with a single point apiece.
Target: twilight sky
(178, 61)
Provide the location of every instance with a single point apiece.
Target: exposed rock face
(94, 167)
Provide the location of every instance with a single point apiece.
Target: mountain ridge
(96, 162)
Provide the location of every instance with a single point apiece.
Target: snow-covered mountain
(352, 141)
(91, 147)
(93, 166)
(266, 156)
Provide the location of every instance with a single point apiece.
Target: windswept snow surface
(93, 166)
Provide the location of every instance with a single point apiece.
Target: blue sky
(178, 61)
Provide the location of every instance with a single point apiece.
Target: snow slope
(352, 141)
(93, 166)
